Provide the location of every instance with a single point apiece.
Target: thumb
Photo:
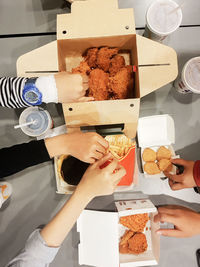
(170, 232)
(180, 162)
(85, 99)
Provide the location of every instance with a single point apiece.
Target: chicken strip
(104, 57)
(98, 81)
(116, 63)
(91, 57)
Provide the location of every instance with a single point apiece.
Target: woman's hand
(71, 87)
(99, 181)
(186, 221)
(184, 180)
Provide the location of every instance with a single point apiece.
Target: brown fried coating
(83, 68)
(151, 168)
(165, 165)
(163, 153)
(116, 63)
(118, 84)
(123, 249)
(137, 244)
(135, 223)
(104, 56)
(149, 154)
(128, 234)
(98, 81)
(91, 57)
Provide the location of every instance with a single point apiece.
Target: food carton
(154, 132)
(100, 233)
(101, 23)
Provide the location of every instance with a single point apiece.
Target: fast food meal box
(153, 132)
(95, 23)
(128, 161)
(100, 233)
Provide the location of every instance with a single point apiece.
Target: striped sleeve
(11, 92)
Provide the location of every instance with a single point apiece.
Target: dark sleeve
(196, 172)
(11, 92)
(19, 157)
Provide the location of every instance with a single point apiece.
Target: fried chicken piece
(104, 56)
(98, 81)
(116, 63)
(151, 168)
(165, 165)
(118, 84)
(137, 244)
(149, 154)
(163, 153)
(135, 223)
(91, 57)
(127, 235)
(83, 68)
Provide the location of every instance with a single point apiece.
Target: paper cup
(189, 82)
(163, 17)
(42, 118)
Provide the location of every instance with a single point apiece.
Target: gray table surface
(34, 200)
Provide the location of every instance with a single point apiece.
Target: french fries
(119, 145)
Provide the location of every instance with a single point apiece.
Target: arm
(186, 221)
(87, 147)
(95, 182)
(62, 87)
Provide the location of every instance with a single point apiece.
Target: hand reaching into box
(185, 179)
(186, 221)
(71, 87)
(87, 147)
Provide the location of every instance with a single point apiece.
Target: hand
(184, 180)
(97, 181)
(87, 147)
(71, 87)
(186, 221)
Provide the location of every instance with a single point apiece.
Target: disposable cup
(189, 82)
(42, 121)
(163, 17)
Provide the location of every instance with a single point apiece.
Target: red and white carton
(154, 132)
(100, 233)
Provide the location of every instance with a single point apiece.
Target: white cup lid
(164, 17)
(191, 74)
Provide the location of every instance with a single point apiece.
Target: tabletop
(34, 200)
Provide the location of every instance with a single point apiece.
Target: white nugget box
(154, 132)
(100, 234)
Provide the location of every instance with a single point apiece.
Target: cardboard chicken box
(156, 133)
(101, 233)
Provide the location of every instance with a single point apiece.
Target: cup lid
(164, 17)
(191, 74)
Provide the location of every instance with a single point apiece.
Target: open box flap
(98, 238)
(156, 54)
(131, 207)
(156, 131)
(38, 62)
(103, 113)
(94, 18)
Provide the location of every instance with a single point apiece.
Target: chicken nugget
(128, 234)
(151, 168)
(123, 249)
(165, 165)
(91, 57)
(163, 153)
(135, 223)
(137, 244)
(83, 68)
(98, 81)
(116, 63)
(118, 84)
(104, 56)
(149, 154)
